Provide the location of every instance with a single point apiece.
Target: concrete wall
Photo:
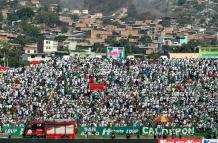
(183, 55)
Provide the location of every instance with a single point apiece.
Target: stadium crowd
(137, 92)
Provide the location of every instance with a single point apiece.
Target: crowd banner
(177, 131)
(14, 131)
(179, 141)
(101, 131)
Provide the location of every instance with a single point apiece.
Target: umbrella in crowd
(163, 119)
(35, 62)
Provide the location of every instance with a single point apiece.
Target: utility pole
(4, 59)
(7, 61)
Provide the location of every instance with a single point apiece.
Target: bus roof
(57, 122)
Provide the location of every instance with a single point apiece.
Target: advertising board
(210, 141)
(208, 52)
(179, 141)
(183, 131)
(115, 52)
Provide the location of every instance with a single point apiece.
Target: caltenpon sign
(177, 131)
(179, 141)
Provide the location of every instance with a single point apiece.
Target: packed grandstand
(163, 93)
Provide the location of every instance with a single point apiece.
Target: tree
(145, 39)
(22, 40)
(13, 3)
(60, 38)
(181, 2)
(99, 48)
(1, 17)
(48, 18)
(13, 55)
(75, 17)
(25, 13)
(31, 31)
(64, 29)
(153, 56)
(191, 47)
(3, 3)
(12, 17)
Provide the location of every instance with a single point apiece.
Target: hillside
(194, 12)
(156, 7)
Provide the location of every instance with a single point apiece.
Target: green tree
(47, 18)
(13, 3)
(99, 48)
(64, 29)
(145, 39)
(1, 17)
(13, 55)
(153, 56)
(3, 3)
(181, 2)
(60, 38)
(75, 17)
(22, 40)
(31, 31)
(191, 47)
(25, 13)
(12, 17)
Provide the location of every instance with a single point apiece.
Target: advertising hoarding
(208, 52)
(179, 141)
(115, 52)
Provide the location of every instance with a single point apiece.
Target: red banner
(179, 141)
(93, 86)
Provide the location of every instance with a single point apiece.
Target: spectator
(155, 136)
(137, 90)
(113, 135)
(128, 136)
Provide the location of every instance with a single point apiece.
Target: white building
(30, 49)
(75, 12)
(99, 15)
(85, 11)
(50, 46)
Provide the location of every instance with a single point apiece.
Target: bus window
(69, 129)
(60, 129)
(50, 129)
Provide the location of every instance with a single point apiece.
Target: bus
(50, 129)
